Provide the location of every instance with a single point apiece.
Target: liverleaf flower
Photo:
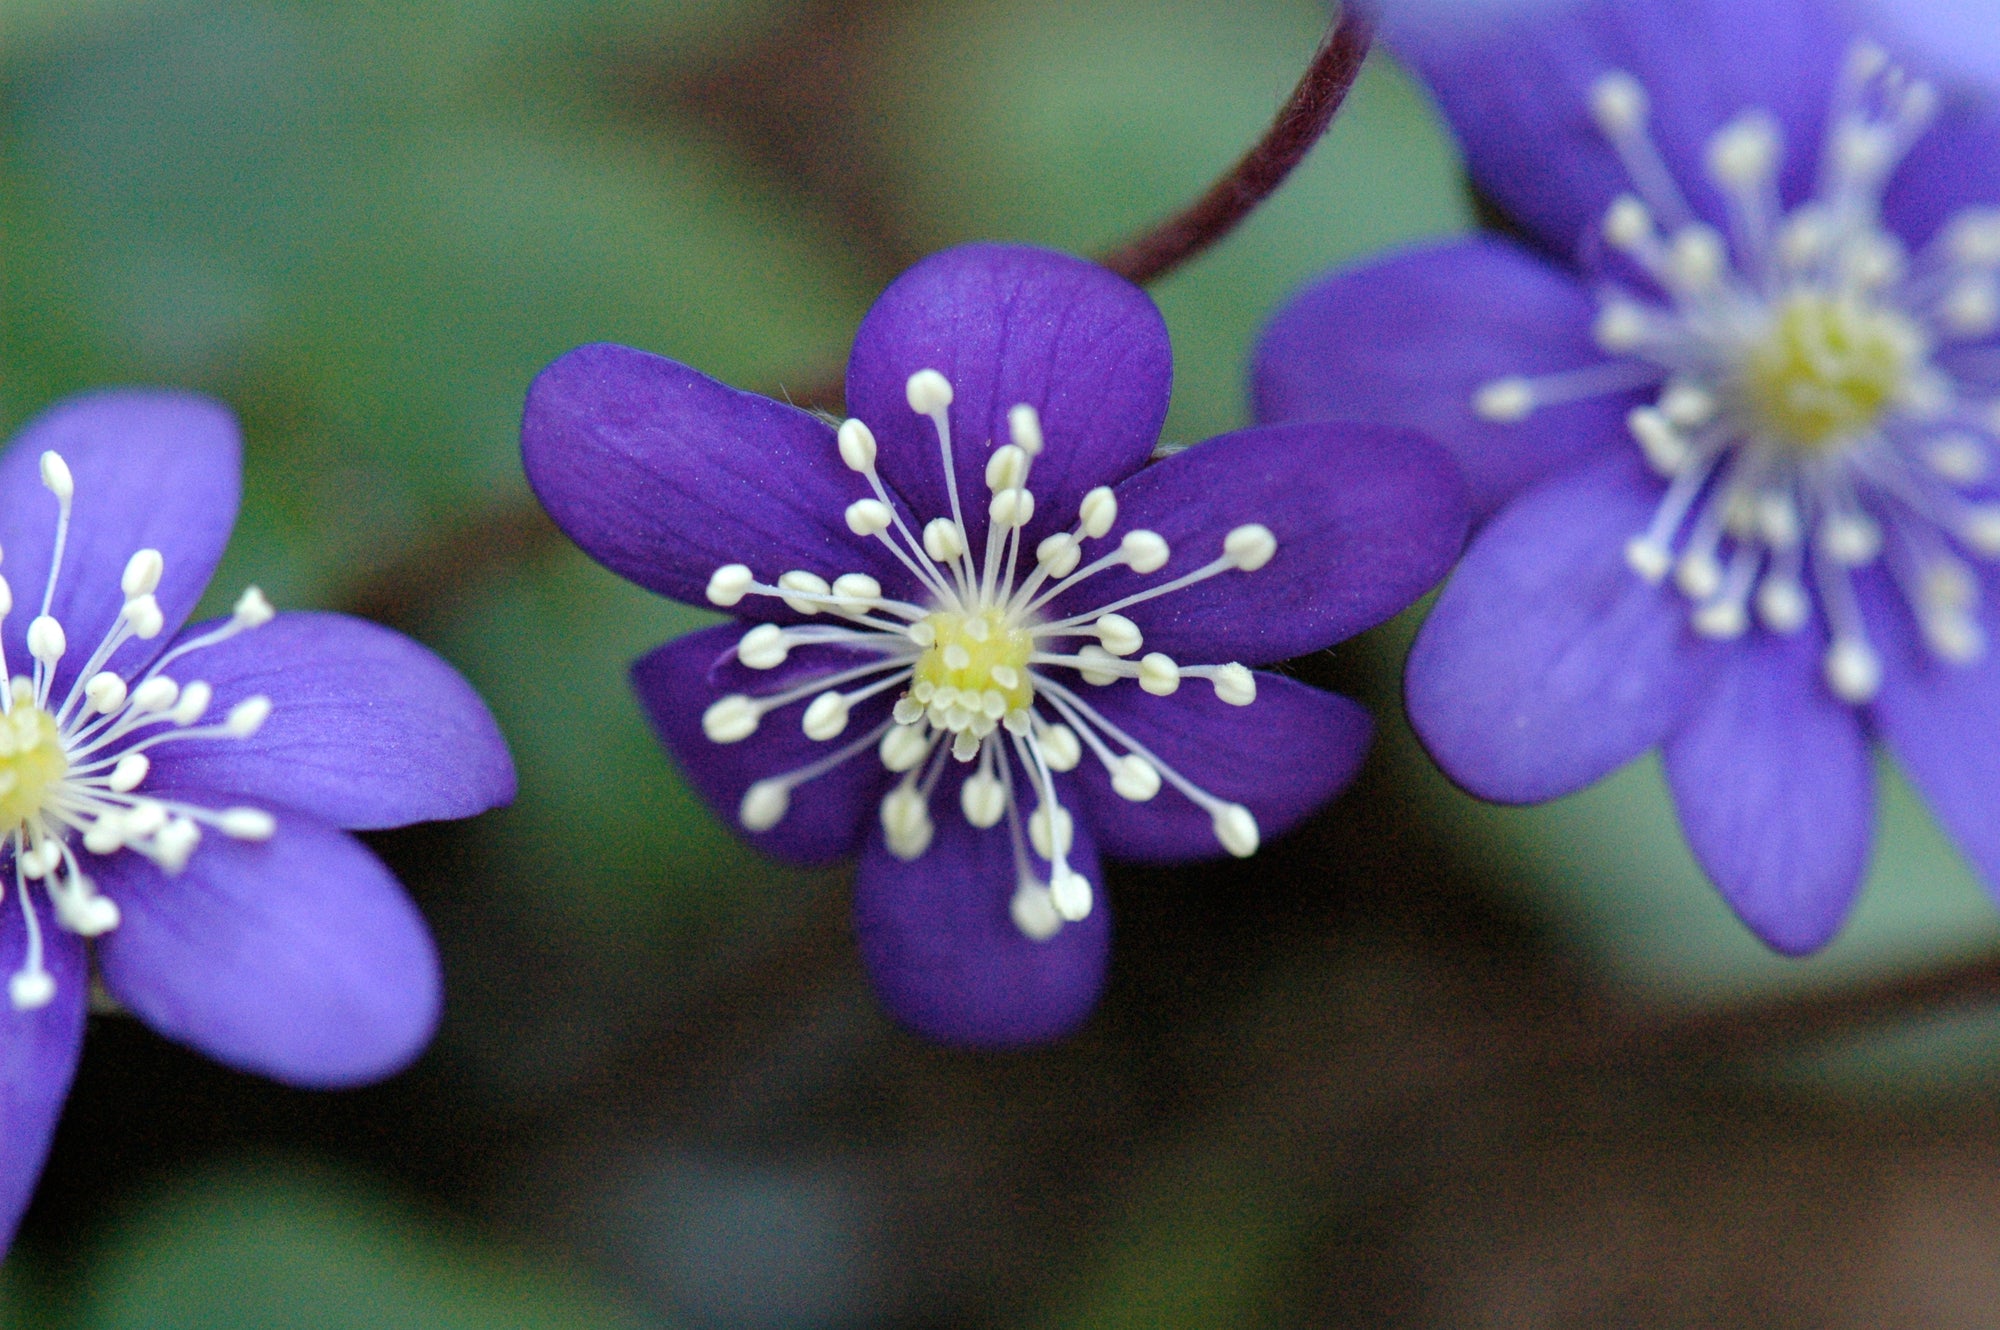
(977, 637)
(1739, 453)
(175, 801)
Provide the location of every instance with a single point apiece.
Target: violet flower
(1738, 449)
(172, 799)
(980, 638)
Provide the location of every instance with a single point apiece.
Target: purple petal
(1942, 721)
(1548, 662)
(38, 1051)
(677, 681)
(152, 469)
(367, 728)
(664, 475)
(1954, 165)
(1776, 791)
(942, 948)
(1007, 324)
(299, 958)
(1281, 757)
(1517, 94)
(1367, 519)
(1410, 339)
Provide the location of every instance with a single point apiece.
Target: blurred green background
(662, 1095)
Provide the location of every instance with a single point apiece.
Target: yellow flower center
(31, 760)
(1828, 367)
(977, 654)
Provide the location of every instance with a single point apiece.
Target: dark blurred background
(1373, 1078)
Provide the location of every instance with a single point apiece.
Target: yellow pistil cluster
(1828, 368)
(31, 760)
(978, 658)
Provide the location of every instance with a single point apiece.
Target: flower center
(975, 661)
(32, 762)
(1827, 368)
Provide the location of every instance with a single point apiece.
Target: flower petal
(300, 958)
(367, 728)
(1548, 662)
(1517, 93)
(152, 469)
(38, 1052)
(1367, 519)
(1008, 324)
(1775, 789)
(1954, 165)
(1410, 339)
(1941, 721)
(663, 475)
(676, 683)
(1283, 756)
(942, 948)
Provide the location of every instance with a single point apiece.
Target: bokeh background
(1363, 1080)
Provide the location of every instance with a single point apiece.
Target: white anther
(763, 647)
(730, 719)
(46, 641)
(983, 799)
(194, 701)
(869, 517)
(1778, 521)
(1862, 151)
(147, 816)
(927, 391)
(1687, 405)
(1981, 529)
(1948, 584)
(729, 584)
(1782, 605)
(1058, 554)
(1250, 546)
(1012, 508)
(6, 598)
(923, 632)
(906, 822)
(1955, 637)
(253, 609)
(129, 771)
(1144, 551)
(1974, 237)
(1236, 828)
(812, 584)
(1135, 778)
(1034, 912)
(904, 746)
(142, 573)
(155, 694)
(826, 716)
(1958, 457)
(246, 823)
(1504, 401)
(1851, 538)
(105, 692)
(1649, 558)
(143, 615)
(1007, 468)
(1865, 59)
(1098, 512)
(1743, 155)
(107, 834)
(1039, 823)
(56, 476)
(1024, 427)
(857, 592)
(1972, 306)
(1723, 619)
(1618, 103)
(764, 804)
(1071, 895)
(1853, 670)
(247, 716)
(943, 541)
(1697, 257)
(30, 989)
(1666, 451)
(1096, 665)
(1120, 636)
(1005, 676)
(1060, 747)
(1235, 684)
(1158, 674)
(88, 916)
(1619, 326)
(173, 843)
(857, 445)
(956, 657)
(1628, 223)
(1698, 574)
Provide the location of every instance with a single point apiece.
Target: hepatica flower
(172, 799)
(979, 638)
(1741, 454)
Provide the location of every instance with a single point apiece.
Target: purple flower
(171, 799)
(981, 639)
(1737, 450)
